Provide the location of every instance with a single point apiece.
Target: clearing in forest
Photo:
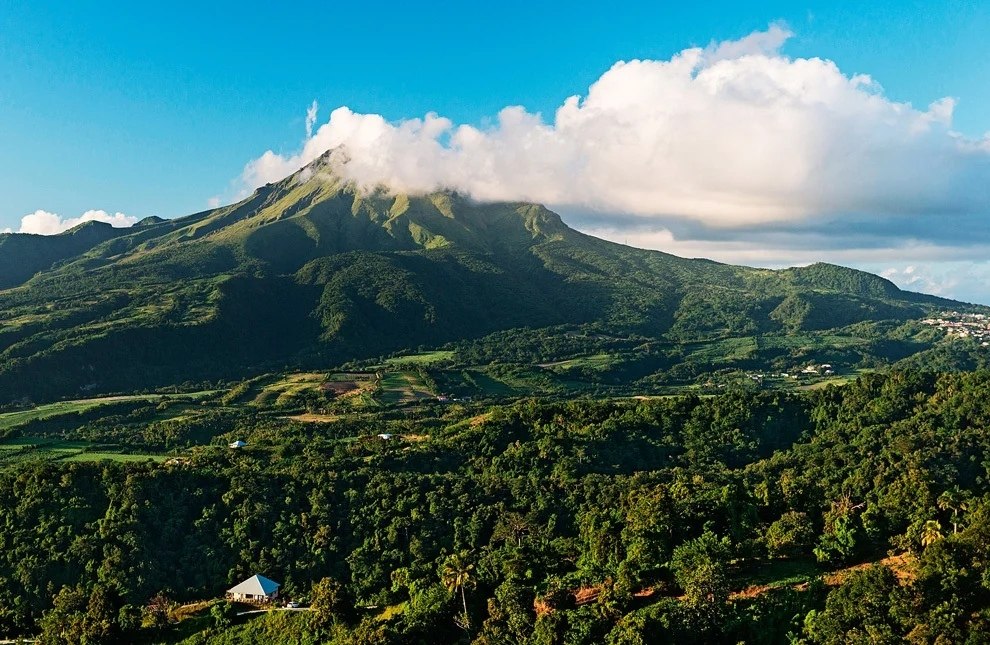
(18, 450)
(423, 358)
(403, 387)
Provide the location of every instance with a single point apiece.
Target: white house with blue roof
(254, 589)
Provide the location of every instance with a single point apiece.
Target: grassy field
(491, 386)
(777, 573)
(810, 341)
(471, 382)
(838, 379)
(746, 347)
(728, 349)
(111, 456)
(424, 358)
(10, 420)
(280, 392)
(600, 362)
(19, 450)
(402, 387)
(309, 417)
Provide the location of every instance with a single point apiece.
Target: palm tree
(953, 500)
(456, 574)
(931, 533)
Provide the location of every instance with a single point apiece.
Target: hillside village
(955, 324)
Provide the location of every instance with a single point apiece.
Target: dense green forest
(858, 513)
(468, 422)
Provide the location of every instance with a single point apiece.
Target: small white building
(254, 589)
(385, 436)
(238, 444)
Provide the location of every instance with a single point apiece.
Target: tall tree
(456, 574)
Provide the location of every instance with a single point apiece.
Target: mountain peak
(327, 170)
(317, 212)
(151, 220)
(85, 226)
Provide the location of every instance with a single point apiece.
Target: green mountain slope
(309, 271)
(22, 255)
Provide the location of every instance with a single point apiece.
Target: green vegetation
(19, 450)
(308, 273)
(403, 387)
(423, 358)
(749, 516)
(9, 420)
(467, 422)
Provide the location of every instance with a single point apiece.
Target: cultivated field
(19, 450)
(10, 420)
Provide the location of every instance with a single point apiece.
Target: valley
(173, 424)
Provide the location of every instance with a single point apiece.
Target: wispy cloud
(311, 113)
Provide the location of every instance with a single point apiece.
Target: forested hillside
(732, 518)
(311, 272)
(23, 255)
(437, 420)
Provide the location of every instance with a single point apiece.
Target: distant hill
(311, 271)
(22, 255)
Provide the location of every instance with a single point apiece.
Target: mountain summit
(312, 270)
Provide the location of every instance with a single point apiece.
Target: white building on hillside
(255, 589)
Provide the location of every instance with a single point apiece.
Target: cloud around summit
(733, 135)
(735, 151)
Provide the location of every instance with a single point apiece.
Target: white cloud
(733, 151)
(213, 202)
(910, 277)
(762, 43)
(44, 223)
(733, 135)
(311, 118)
(958, 272)
(963, 280)
(787, 248)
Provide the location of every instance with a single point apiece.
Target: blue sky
(150, 110)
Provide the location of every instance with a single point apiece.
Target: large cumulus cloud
(735, 151)
(733, 135)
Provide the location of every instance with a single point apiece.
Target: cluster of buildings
(825, 369)
(446, 398)
(957, 325)
(818, 370)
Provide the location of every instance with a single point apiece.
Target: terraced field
(403, 387)
(20, 450)
(280, 393)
